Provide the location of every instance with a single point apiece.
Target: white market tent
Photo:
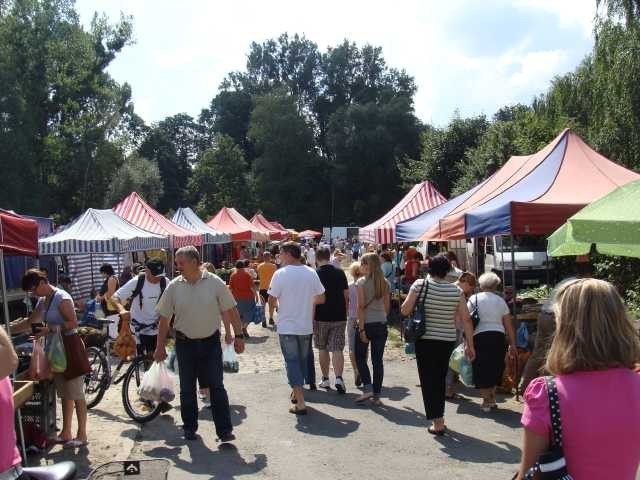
(100, 231)
(187, 218)
(96, 237)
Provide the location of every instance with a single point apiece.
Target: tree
(290, 177)
(59, 106)
(220, 179)
(443, 151)
(137, 174)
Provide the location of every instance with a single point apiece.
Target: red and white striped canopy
(422, 197)
(140, 213)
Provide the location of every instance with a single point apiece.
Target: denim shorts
(295, 349)
(246, 309)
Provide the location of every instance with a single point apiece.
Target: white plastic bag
(230, 359)
(456, 358)
(157, 384)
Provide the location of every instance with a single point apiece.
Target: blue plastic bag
(466, 371)
(258, 314)
(522, 336)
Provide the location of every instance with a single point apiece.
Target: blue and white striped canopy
(100, 231)
(187, 218)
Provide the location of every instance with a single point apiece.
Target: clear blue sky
(470, 55)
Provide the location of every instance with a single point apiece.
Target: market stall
(230, 221)
(18, 236)
(274, 233)
(215, 242)
(421, 198)
(138, 212)
(611, 225)
(97, 235)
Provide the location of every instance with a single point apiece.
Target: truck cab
(532, 264)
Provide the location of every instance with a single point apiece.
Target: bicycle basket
(157, 469)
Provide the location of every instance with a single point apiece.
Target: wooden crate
(22, 392)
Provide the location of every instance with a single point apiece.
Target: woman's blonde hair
(380, 286)
(593, 329)
(468, 278)
(354, 270)
(209, 267)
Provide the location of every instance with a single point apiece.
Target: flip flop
(297, 411)
(75, 443)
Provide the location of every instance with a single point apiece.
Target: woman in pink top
(593, 357)
(9, 455)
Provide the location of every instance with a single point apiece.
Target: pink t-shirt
(9, 454)
(600, 412)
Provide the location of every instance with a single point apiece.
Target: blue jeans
(295, 350)
(202, 360)
(310, 375)
(377, 334)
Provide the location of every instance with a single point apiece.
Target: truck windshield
(525, 243)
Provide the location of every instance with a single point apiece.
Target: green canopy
(611, 223)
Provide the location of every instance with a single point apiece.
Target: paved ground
(336, 440)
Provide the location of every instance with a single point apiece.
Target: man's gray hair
(489, 281)
(189, 252)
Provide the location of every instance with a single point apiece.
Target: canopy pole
(513, 275)
(7, 324)
(93, 287)
(502, 255)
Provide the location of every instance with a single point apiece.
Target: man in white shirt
(297, 289)
(143, 291)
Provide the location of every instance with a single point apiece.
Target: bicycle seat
(57, 471)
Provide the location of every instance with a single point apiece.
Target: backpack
(137, 292)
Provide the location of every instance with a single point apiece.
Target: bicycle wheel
(97, 380)
(142, 411)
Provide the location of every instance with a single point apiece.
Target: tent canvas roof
(533, 194)
(18, 235)
(229, 220)
(187, 218)
(279, 226)
(261, 222)
(611, 223)
(100, 231)
(422, 197)
(135, 210)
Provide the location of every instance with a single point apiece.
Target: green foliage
(443, 150)
(219, 179)
(137, 174)
(288, 172)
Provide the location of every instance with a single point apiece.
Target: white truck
(532, 265)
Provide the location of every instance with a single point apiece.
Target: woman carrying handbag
(55, 310)
(585, 424)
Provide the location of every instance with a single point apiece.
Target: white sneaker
(325, 383)
(340, 385)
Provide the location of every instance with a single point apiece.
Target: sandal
(75, 443)
(364, 397)
(437, 433)
(293, 398)
(57, 440)
(297, 411)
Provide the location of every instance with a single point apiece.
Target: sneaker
(340, 385)
(227, 437)
(264, 324)
(325, 383)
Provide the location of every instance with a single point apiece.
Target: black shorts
(264, 296)
(147, 344)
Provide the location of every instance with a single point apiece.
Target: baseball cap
(155, 266)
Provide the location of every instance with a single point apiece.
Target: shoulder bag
(552, 465)
(475, 314)
(414, 325)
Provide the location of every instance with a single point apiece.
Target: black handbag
(475, 314)
(414, 325)
(551, 465)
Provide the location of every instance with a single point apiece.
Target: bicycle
(101, 378)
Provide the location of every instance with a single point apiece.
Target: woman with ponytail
(374, 301)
